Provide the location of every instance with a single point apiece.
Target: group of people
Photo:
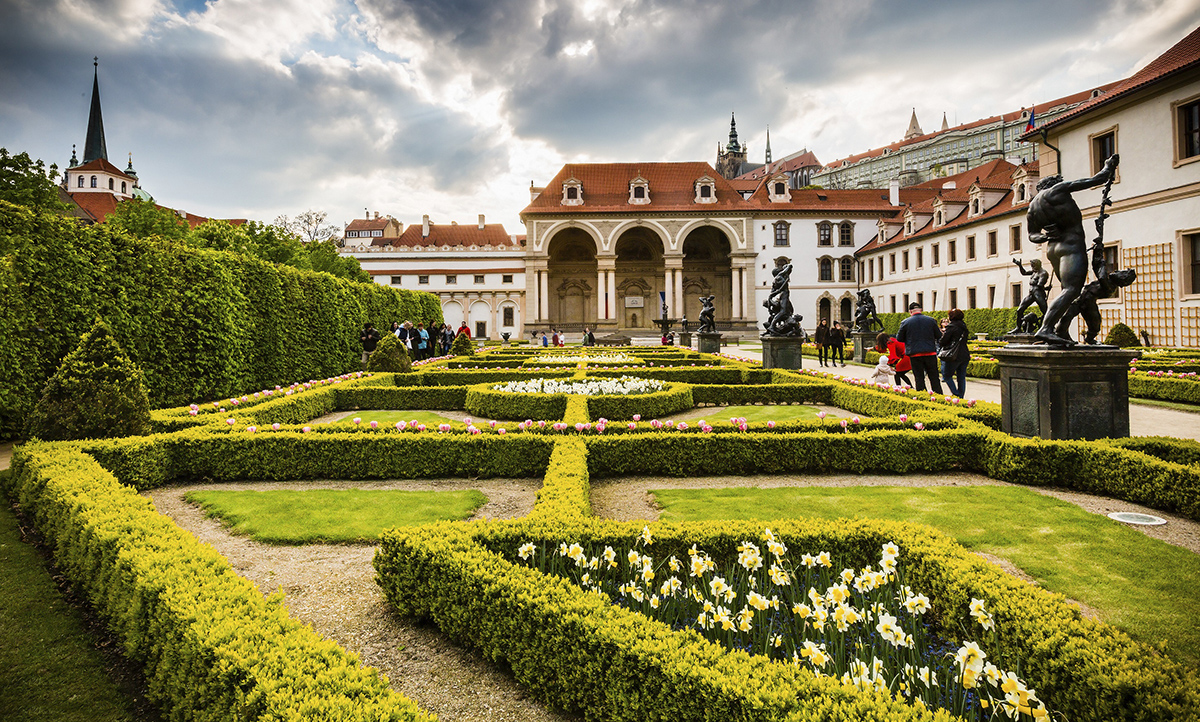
(830, 340)
(555, 339)
(422, 341)
(919, 346)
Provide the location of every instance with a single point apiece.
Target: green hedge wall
(671, 400)
(201, 324)
(995, 322)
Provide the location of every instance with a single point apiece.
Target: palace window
(892, 263)
(1104, 145)
(893, 302)
(954, 298)
(826, 269)
(825, 234)
(991, 297)
(111, 184)
(93, 181)
(1187, 119)
(80, 181)
(975, 207)
(395, 280)
(782, 231)
(846, 234)
(478, 278)
(452, 279)
(1111, 253)
(780, 189)
(1191, 256)
(920, 258)
(508, 316)
(572, 192)
(1021, 192)
(971, 250)
(1014, 239)
(993, 248)
(952, 251)
(506, 278)
(423, 280)
(123, 186)
(639, 192)
(904, 261)
(845, 270)
(934, 255)
(972, 301)
(706, 191)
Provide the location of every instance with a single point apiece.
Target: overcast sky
(253, 108)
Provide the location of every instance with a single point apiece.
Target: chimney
(367, 214)
(481, 221)
(894, 192)
(425, 226)
(949, 185)
(376, 215)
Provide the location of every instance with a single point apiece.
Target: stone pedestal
(685, 338)
(864, 341)
(782, 352)
(708, 342)
(1018, 339)
(1065, 393)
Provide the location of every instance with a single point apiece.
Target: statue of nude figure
(1055, 219)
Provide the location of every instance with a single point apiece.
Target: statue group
(781, 318)
(1055, 220)
(866, 317)
(708, 313)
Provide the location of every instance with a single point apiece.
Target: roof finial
(96, 61)
(74, 160)
(768, 145)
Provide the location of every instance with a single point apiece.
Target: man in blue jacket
(920, 335)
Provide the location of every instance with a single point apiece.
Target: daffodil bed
(213, 648)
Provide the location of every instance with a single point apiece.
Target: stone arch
(571, 269)
(730, 231)
(825, 308)
(650, 226)
(639, 267)
(480, 320)
(707, 266)
(452, 312)
(548, 236)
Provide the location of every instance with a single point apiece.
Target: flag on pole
(1030, 125)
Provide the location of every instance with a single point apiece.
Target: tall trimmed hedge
(200, 324)
(995, 322)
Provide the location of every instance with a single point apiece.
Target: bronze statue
(1039, 286)
(865, 315)
(792, 327)
(708, 323)
(1054, 218)
(779, 301)
(1104, 285)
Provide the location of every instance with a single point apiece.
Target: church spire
(768, 145)
(733, 137)
(93, 146)
(914, 128)
(945, 125)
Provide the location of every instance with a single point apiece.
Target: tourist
(954, 353)
(886, 345)
(395, 328)
(836, 340)
(447, 339)
(370, 339)
(919, 334)
(420, 342)
(545, 341)
(822, 333)
(883, 371)
(554, 339)
(464, 330)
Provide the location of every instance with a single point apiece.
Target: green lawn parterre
(209, 641)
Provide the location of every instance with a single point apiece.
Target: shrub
(1123, 336)
(462, 346)
(390, 356)
(97, 392)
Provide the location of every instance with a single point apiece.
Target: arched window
(826, 269)
(846, 234)
(782, 229)
(111, 184)
(908, 228)
(847, 312)
(780, 189)
(845, 270)
(975, 207)
(1021, 192)
(825, 234)
(80, 181)
(123, 186)
(938, 221)
(93, 181)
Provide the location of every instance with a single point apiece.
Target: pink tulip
(821, 414)
(474, 431)
(274, 427)
(770, 424)
(856, 420)
(541, 424)
(903, 417)
(251, 429)
(744, 427)
(579, 426)
(193, 412)
(632, 425)
(400, 426)
(682, 426)
(357, 421)
(374, 424)
(637, 417)
(492, 424)
(500, 431)
(194, 407)
(306, 429)
(844, 423)
(229, 421)
(467, 421)
(420, 427)
(919, 426)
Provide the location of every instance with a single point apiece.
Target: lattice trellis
(1189, 317)
(1150, 301)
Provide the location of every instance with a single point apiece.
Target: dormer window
(639, 191)
(706, 190)
(908, 228)
(572, 192)
(780, 188)
(1021, 192)
(974, 206)
(777, 189)
(938, 219)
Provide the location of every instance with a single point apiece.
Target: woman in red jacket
(896, 358)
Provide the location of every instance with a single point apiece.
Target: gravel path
(332, 587)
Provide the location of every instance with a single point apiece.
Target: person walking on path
(919, 334)
(370, 339)
(886, 345)
(821, 336)
(954, 353)
(836, 340)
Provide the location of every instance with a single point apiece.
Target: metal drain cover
(1130, 517)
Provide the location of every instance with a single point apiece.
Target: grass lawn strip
(1141, 585)
(431, 419)
(288, 516)
(49, 669)
(754, 413)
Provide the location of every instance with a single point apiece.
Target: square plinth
(1069, 393)
(708, 342)
(782, 352)
(864, 341)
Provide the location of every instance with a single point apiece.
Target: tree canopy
(26, 182)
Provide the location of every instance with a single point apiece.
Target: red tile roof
(1183, 55)
(606, 189)
(999, 177)
(101, 164)
(96, 205)
(1038, 109)
(493, 234)
(850, 200)
(369, 224)
(805, 160)
(742, 184)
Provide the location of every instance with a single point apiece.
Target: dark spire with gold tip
(93, 146)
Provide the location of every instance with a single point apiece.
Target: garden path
(332, 587)
(1144, 420)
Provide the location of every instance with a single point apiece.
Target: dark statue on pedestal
(1029, 325)
(779, 301)
(683, 324)
(793, 327)
(708, 323)
(1039, 287)
(865, 315)
(1055, 219)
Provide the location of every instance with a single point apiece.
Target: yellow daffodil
(646, 537)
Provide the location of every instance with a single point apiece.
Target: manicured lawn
(287, 516)
(719, 414)
(49, 669)
(431, 419)
(1146, 587)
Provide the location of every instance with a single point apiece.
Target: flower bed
(598, 359)
(623, 386)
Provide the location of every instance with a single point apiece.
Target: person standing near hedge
(420, 341)
(836, 340)
(820, 336)
(370, 339)
(920, 334)
(886, 345)
(954, 353)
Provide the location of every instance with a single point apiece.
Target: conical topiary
(462, 346)
(390, 356)
(1123, 336)
(96, 392)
